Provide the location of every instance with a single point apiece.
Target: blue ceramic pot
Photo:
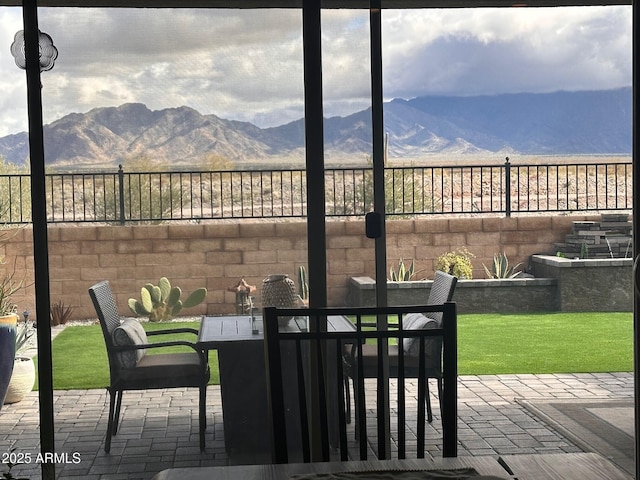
(7, 352)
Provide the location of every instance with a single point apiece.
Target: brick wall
(217, 255)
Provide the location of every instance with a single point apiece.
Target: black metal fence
(121, 197)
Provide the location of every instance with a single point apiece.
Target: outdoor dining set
(321, 391)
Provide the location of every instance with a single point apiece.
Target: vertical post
(377, 124)
(121, 193)
(450, 381)
(636, 228)
(316, 220)
(314, 150)
(275, 396)
(40, 240)
(507, 187)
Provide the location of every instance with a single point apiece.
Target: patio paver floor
(159, 429)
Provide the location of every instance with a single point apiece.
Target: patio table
(560, 466)
(239, 341)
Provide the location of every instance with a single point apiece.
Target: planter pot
(7, 352)
(22, 379)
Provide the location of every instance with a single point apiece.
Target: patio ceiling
(387, 4)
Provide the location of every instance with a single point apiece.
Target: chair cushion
(130, 332)
(418, 321)
(370, 363)
(167, 370)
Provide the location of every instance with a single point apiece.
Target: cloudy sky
(247, 65)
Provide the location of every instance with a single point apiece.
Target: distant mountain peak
(587, 122)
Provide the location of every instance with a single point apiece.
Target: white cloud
(235, 64)
(13, 100)
(247, 65)
(488, 51)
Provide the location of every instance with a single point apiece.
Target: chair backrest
(316, 386)
(442, 290)
(107, 311)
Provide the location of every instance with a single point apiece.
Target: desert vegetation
(150, 192)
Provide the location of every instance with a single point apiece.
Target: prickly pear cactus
(162, 302)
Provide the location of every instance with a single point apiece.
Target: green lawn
(487, 344)
(545, 343)
(80, 357)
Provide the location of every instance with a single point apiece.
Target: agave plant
(24, 332)
(500, 267)
(162, 302)
(402, 274)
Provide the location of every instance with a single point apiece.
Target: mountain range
(559, 123)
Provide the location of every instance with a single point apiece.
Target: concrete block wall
(217, 255)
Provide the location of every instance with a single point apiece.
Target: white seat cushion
(130, 332)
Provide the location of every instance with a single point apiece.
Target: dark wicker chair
(132, 369)
(441, 292)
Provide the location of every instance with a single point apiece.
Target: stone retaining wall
(515, 295)
(217, 255)
(604, 285)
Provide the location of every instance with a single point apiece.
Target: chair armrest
(204, 359)
(368, 324)
(144, 346)
(373, 324)
(173, 330)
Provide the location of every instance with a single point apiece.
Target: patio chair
(304, 371)
(131, 368)
(442, 291)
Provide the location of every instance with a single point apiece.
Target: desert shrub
(457, 263)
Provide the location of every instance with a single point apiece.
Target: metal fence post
(507, 187)
(121, 192)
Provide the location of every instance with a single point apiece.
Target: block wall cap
(561, 262)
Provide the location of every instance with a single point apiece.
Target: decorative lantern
(279, 291)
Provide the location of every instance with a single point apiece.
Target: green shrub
(457, 263)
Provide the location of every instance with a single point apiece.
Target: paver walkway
(159, 429)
